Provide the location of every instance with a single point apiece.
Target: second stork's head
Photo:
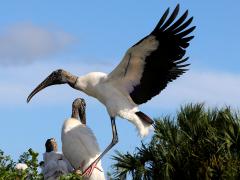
(51, 145)
(78, 110)
(59, 76)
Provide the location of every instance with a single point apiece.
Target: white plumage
(55, 164)
(101, 86)
(79, 145)
(145, 70)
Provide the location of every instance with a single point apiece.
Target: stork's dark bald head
(51, 145)
(59, 76)
(79, 103)
(78, 109)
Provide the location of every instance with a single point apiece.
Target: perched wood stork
(146, 69)
(79, 145)
(55, 164)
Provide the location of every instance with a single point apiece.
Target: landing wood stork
(146, 69)
(55, 164)
(79, 145)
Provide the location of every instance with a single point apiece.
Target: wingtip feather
(161, 21)
(171, 18)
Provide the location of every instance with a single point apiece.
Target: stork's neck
(69, 78)
(89, 82)
(76, 114)
(80, 83)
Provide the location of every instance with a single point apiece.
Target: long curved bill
(38, 88)
(82, 111)
(52, 79)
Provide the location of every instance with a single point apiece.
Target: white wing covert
(156, 60)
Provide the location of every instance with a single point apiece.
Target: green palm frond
(198, 143)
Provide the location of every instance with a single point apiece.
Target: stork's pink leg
(90, 169)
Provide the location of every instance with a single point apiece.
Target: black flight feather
(166, 63)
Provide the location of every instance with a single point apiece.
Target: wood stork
(79, 145)
(145, 70)
(55, 164)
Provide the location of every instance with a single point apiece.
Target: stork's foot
(89, 170)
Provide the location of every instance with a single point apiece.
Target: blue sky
(39, 37)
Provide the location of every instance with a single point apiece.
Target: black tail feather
(144, 117)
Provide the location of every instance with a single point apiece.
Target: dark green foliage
(6, 166)
(8, 171)
(197, 144)
(30, 158)
(71, 176)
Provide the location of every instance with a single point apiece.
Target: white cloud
(24, 43)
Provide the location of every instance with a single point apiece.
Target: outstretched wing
(156, 60)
